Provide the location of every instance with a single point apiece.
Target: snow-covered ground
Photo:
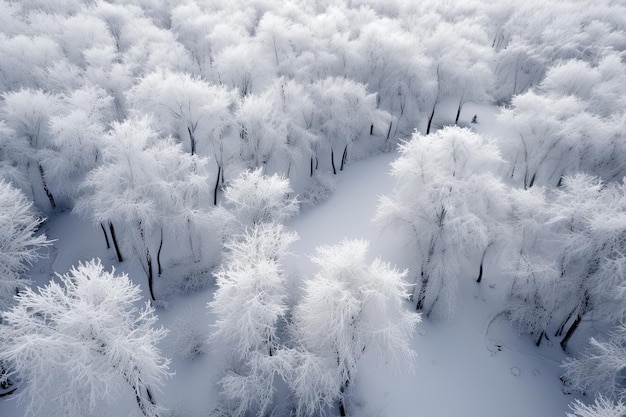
(474, 365)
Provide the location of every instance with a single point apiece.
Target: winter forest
(366, 208)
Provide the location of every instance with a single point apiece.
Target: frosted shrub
(190, 338)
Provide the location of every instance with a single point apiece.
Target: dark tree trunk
(344, 158)
(421, 295)
(342, 408)
(581, 312)
(430, 118)
(559, 331)
(458, 113)
(148, 407)
(106, 238)
(159, 269)
(115, 244)
(217, 184)
(424, 276)
(311, 166)
(432, 113)
(150, 274)
(192, 140)
(53, 204)
(371, 129)
(532, 180)
(482, 262)
(570, 332)
(560, 183)
(432, 307)
(332, 161)
(388, 131)
(538, 341)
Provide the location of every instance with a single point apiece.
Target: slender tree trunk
(421, 295)
(332, 161)
(570, 332)
(344, 158)
(45, 187)
(217, 184)
(538, 341)
(371, 130)
(115, 244)
(432, 113)
(559, 331)
(160, 270)
(421, 298)
(430, 118)
(106, 238)
(432, 307)
(532, 180)
(192, 140)
(150, 274)
(388, 132)
(342, 408)
(458, 112)
(311, 166)
(148, 408)
(482, 262)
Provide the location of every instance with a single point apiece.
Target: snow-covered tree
(77, 345)
(591, 227)
(25, 60)
(189, 109)
(20, 244)
(601, 368)
(462, 62)
(263, 130)
(534, 276)
(445, 198)
(76, 137)
(137, 189)
(250, 305)
(254, 198)
(387, 67)
(348, 308)
(27, 113)
(600, 408)
(243, 66)
(345, 111)
(185, 107)
(569, 262)
(294, 104)
(543, 144)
